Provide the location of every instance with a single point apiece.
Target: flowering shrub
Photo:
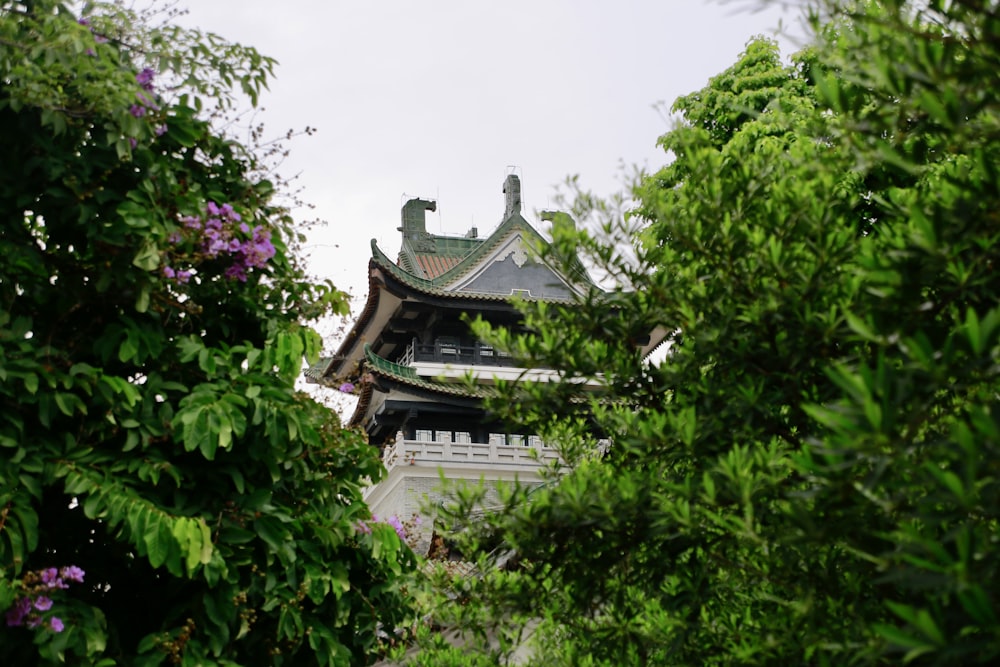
(29, 609)
(155, 438)
(146, 103)
(406, 530)
(218, 234)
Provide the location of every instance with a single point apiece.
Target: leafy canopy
(166, 495)
(810, 474)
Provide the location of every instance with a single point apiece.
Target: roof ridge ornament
(512, 195)
(412, 215)
(414, 225)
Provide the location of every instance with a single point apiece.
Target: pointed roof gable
(464, 266)
(447, 270)
(429, 255)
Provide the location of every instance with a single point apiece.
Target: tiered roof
(463, 271)
(438, 276)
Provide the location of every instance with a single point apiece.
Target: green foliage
(150, 430)
(807, 473)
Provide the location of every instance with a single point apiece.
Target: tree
(809, 476)
(166, 495)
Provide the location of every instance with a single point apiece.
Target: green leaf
(183, 132)
(158, 540)
(142, 300)
(69, 403)
(920, 619)
(214, 612)
(129, 348)
(206, 361)
(207, 548)
(902, 639)
(976, 602)
(195, 541)
(860, 327)
(271, 531)
(948, 480)
(148, 257)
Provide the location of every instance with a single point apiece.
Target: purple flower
(146, 102)
(169, 272)
(191, 222)
(261, 249)
(160, 130)
(215, 244)
(363, 527)
(43, 603)
(213, 208)
(137, 111)
(50, 576)
(15, 615)
(56, 624)
(90, 52)
(73, 573)
(237, 272)
(100, 39)
(175, 237)
(34, 622)
(347, 387)
(132, 142)
(397, 526)
(229, 213)
(145, 78)
(183, 277)
(245, 228)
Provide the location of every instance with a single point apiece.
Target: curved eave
(407, 260)
(382, 376)
(315, 373)
(405, 375)
(364, 401)
(378, 307)
(656, 340)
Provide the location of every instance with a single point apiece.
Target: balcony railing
(445, 352)
(420, 452)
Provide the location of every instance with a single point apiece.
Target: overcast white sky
(438, 98)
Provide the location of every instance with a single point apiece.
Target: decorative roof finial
(512, 190)
(414, 226)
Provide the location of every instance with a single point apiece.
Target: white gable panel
(513, 268)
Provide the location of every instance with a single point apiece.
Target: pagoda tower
(410, 351)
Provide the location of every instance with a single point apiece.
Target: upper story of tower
(418, 305)
(411, 346)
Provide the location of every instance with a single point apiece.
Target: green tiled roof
(435, 286)
(316, 372)
(434, 266)
(408, 376)
(434, 255)
(388, 367)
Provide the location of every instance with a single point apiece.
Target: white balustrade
(414, 452)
